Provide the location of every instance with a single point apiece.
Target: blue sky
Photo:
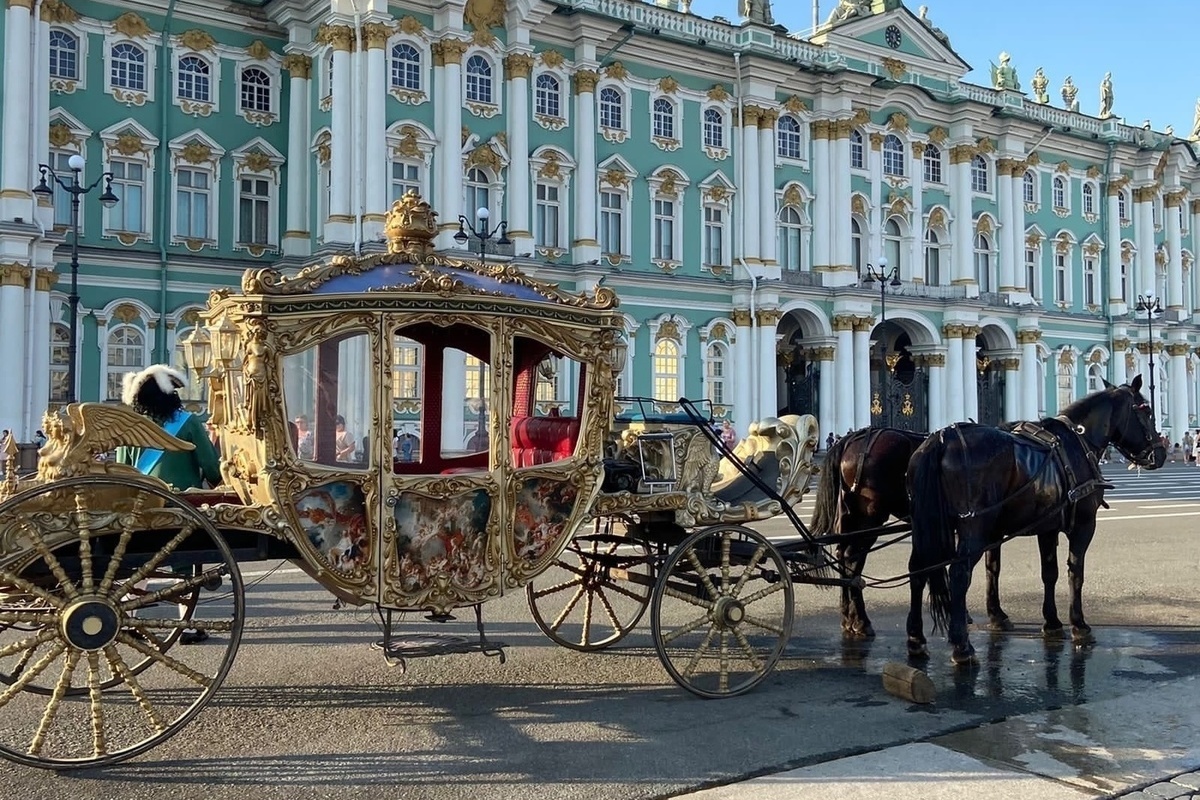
(1142, 44)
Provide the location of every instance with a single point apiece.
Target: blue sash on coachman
(149, 458)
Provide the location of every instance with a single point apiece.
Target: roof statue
(1106, 96)
(1040, 82)
(1196, 123)
(848, 9)
(923, 15)
(1070, 94)
(756, 11)
(1005, 75)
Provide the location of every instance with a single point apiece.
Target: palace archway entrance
(899, 385)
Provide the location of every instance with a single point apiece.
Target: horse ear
(1108, 385)
(1136, 383)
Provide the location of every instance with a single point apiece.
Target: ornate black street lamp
(483, 234)
(886, 278)
(76, 190)
(1150, 306)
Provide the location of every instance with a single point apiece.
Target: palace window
(856, 245)
(406, 369)
(1058, 192)
(1122, 205)
(932, 161)
(791, 228)
(612, 222)
(664, 118)
(893, 156)
(1033, 280)
(1029, 185)
(1060, 277)
(1090, 287)
(1124, 281)
(193, 194)
(933, 259)
(1089, 199)
(64, 55)
(714, 235)
(714, 128)
(980, 175)
(127, 67)
(858, 158)
(1095, 378)
(714, 373)
(1065, 382)
(547, 216)
(129, 185)
(193, 80)
(406, 177)
(324, 195)
(60, 162)
(983, 262)
(479, 80)
(406, 67)
(664, 229)
(479, 191)
(666, 371)
(891, 242)
(789, 138)
(60, 358)
(612, 109)
(256, 90)
(254, 211)
(547, 96)
(126, 352)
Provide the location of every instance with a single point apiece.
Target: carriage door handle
(392, 498)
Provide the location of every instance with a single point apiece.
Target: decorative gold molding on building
(668, 85)
(794, 105)
(767, 119)
(953, 330)
(842, 322)
(616, 70)
(518, 65)
(485, 14)
(376, 35)
(768, 317)
(1029, 336)
(876, 141)
(585, 80)
(198, 40)
(895, 68)
(339, 37)
(298, 64)
(57, 11)
(131, 25)
(861, 116)
(822, 129)
(741, 317)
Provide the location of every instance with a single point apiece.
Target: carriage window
(327, 398)
(547, 386)
(476, 399)
(408, 359)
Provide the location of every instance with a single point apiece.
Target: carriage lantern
(224, 342)
(197, 351)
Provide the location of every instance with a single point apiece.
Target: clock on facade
(893, 36)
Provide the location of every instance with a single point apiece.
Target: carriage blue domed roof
(399, 277)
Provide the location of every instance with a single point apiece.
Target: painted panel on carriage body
(442, 538)
(333, 517)
(403, 275)
(544, 507)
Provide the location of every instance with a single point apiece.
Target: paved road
(310, 711)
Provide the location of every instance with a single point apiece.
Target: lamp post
(77, 190)
(483, 233)
(1150, 306)
(886, 278)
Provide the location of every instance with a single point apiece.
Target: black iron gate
(989, 383)
(803, 388)
(899, 394)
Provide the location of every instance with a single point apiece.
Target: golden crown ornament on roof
(411, 226)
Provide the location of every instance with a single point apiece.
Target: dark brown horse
(972, 486)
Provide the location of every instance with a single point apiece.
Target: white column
(454, 392)
(586, 244)
(970, 370)
(39, 129)
(1177, 367)
(1117, 360)
(14, 282)
(936, 363)
(955, 411)
(822, 205)
(840, 179)
(340, 225)
(1012, 389)
(374, 155)
(916, 258)
(295, 238)
(843, 364)
(517, 68)
(1112, 247)
(447, 59)
(1143, 237)
(16, 197)
(1029, 373)
(963, 228)
(768, 363)
(1194, 207)
(1008, 250)
(862, 372)
(768, 241)
(1175, 300)
(827, 413)
(751, 249)
(875, 170)
(1018, 223)
(40, 331)
(743, 413)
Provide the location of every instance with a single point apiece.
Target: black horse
(972, 486)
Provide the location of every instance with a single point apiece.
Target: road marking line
(261, 573)
(1173, 505)
(1107, 518)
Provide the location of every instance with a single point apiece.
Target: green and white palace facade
(731, 182)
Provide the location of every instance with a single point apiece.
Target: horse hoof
(1082, 636)
(1053, 632)
(918, 650)
(1001, 624)
(965, 657)
(866, 632)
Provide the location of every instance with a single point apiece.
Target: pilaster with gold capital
(1174, 199)
(971, 331)
(962, 153)
(518, 65)
(751, 115)
(1011, 363)
(338, 37)
(918, 149)
(14, 274)
(448, 51)
(1120, 345)
(45, 279)
(953, 330)
(376, 35)
(768, 317)
(843, 322)
(876, 140)
(585, 80)
(935, 360)
(864, 324)
(822, 353)
(822, 129)
(767, 118)
(843, 128)
(299, 65)
(1177, 349)
(741, 317)
(1029, 336)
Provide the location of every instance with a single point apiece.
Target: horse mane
(1084, 406)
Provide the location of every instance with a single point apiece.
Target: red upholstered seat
(541, 440)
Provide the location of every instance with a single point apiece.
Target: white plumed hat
(169, 381)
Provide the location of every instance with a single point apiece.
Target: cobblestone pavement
(1181, 787)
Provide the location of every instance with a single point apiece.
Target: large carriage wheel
(596, 591)
(101, 602)
(721, 615)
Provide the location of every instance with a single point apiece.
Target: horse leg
(1052, 627)
(917, 646)
(847, 607)
(997, 619)
(855, 622)
(962, 653)
(1077, 545)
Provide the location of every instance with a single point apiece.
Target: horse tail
(827, 513)
(933, 529)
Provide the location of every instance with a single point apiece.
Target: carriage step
(428, 645)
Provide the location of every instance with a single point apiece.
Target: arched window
(406, 67)
(666, 371)
(983, 262)
(479, 191)
(612, 109)
(891, 242)
(1030, 186)
(126, 352)
(980, 176)
(547, 96)
(789, 138)
(60, 357)
(893, 155)
(194, 79)
(664, 118)
(1058, 192)
(1033, 279)
(714, 128)
(932, 161)
(933, 258)
(1065, 379)
(479, 80)
(64, 55)
(1122, 205)
(1095, 378)
(790, 238)
(856, 245)
(714, 373)
(857, 157)
(127, 67)
(1089, 199)
(256, 90)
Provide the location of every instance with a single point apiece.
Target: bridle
(1144, 456)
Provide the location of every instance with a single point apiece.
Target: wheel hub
(91, 623)
(728, 612)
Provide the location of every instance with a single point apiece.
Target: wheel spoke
(96, 706)
(132, 521)
(558, 587)
(562, 617)
(56, 569)
(35, 617)
(29, 643)
(608, 610)
(747, 649)
(118, 665)
(60, 691)
(702, 573)
(37, 669)
(723, 676)
(164, 659)
(726, 539)
(699, 622)
(763, 592)
(750, 567)
(23, 662)
(158, 557)
(173, 591)
(619, 589)
(671, 591)
(85, 542)
(213, 625)
(763, 624)
(585, 636)
(17, 582)
(700, 651)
